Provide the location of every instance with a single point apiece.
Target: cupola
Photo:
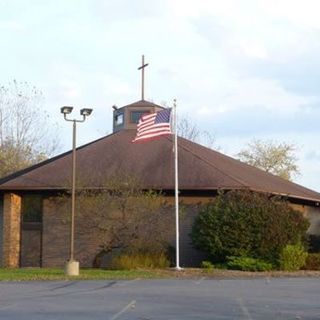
(128, 116)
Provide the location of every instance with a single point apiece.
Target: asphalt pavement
(269, 298)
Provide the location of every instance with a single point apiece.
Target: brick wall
(312, 214)
(11, 230)
(56, 236)
(189, 208)
(30, 247)
(56, 230)
(55, 241)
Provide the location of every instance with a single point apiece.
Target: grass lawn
(26, 274)
(85, 274)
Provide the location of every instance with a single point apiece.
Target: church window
(118, 119)
(32, 208)
(136, 115)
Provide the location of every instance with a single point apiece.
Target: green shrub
(140, 260)
(244, 223)
(207, 265)
(293, 257)
(312, 262)
(248, 264)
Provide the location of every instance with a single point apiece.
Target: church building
(32, 231)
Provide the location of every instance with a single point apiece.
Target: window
(32, 208)
(136, 115)
(118, 119)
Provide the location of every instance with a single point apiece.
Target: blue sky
(241, 69)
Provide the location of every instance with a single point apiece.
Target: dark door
(30, 245)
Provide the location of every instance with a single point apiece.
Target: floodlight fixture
(66, 110)
(85, 112)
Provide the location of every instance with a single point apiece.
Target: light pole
(72, 266)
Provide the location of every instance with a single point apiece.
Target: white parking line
(132, 305)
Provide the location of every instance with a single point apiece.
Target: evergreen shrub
(244, 223)
(207, 265)
(293, 257)
(248, 264)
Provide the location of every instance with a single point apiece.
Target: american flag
(154, 125)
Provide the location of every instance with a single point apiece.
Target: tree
(277, 158)
(27, 134)
(189, 130)
(244, 223)
(125, 218)
(14, 157)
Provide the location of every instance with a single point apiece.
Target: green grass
(29, 274)
(25, 274)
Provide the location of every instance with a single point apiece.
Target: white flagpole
(176, 184)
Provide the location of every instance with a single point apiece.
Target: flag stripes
(154, 125)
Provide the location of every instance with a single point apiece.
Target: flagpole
(176, 192)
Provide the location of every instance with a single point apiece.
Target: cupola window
(118, 119)
(136, 115)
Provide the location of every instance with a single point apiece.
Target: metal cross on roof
(142, 76)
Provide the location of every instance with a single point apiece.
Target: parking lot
(268, 298)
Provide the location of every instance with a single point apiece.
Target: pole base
(72, 268)
(178, 268)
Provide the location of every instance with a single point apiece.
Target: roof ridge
(143, 103)
(211, 164)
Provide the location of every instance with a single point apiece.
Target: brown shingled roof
(142, 104)
(200, 168)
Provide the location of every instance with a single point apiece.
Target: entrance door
(30, 245)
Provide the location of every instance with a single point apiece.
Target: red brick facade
(53, 249)
(11, 230)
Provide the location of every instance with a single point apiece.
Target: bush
(207, 265)
(293, 257)
(312, 262)
(248, 264)
(244, 223)
(140, 260)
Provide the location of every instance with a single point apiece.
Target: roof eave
(316, 201)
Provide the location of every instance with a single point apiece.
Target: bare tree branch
(27, 134)
(189, 130)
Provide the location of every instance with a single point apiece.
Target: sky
(240, 70)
